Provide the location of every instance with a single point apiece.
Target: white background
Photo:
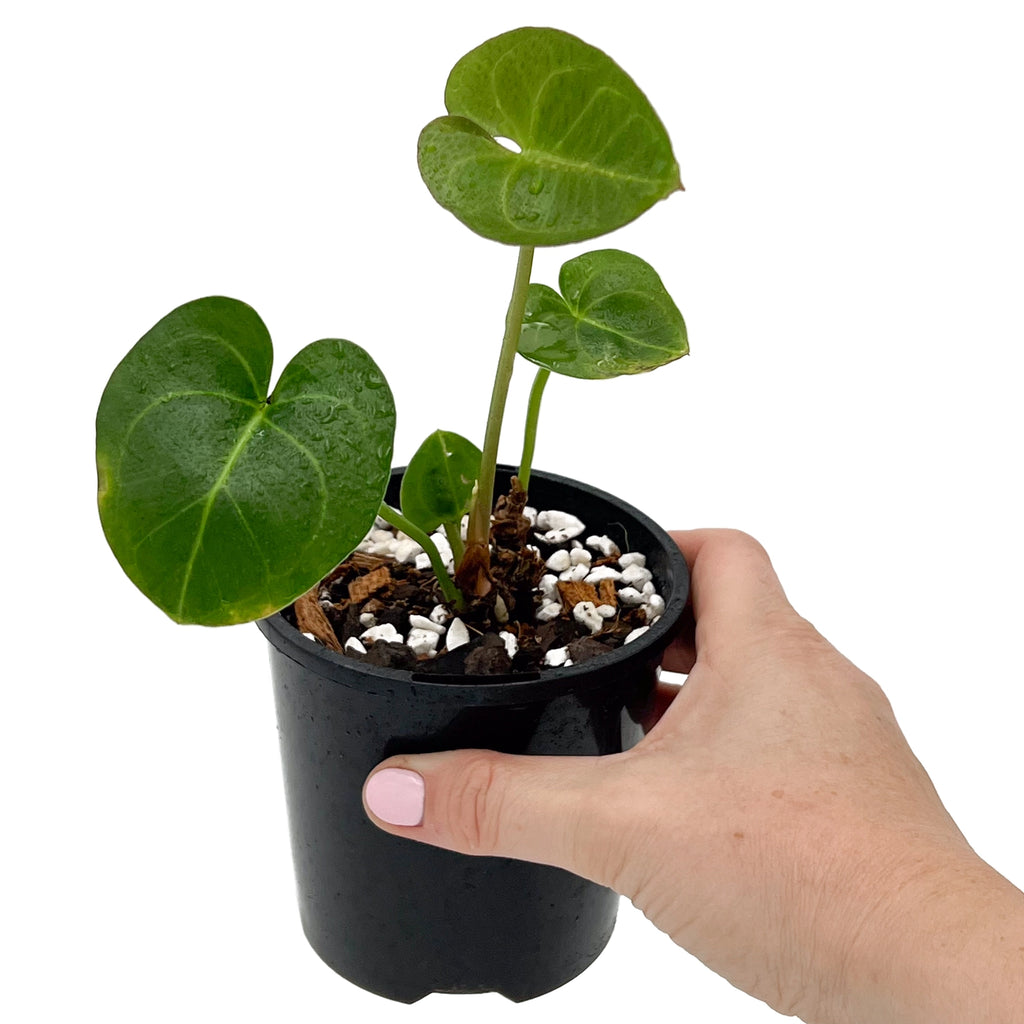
(847, 256)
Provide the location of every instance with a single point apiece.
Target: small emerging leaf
(613, 317)
(594, 154)
(438, 482)
(223, 504)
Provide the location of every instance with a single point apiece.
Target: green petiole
(480, 511)
(454, 534)
(448, 588)
(530, 435)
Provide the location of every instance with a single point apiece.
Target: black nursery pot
(403, 919)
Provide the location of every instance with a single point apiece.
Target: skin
(774, 822)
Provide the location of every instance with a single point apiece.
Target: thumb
(541, 809)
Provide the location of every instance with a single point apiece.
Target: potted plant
(407, 609)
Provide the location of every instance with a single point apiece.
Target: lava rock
(488, 657)
(587, 647)
(386, 654)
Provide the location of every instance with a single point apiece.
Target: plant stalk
(532, 417)
(480, 512)
(454, 534)
(448, 588)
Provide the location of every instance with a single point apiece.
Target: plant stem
(454, 534)
(532, 416)
(480, 513)
(448, 588)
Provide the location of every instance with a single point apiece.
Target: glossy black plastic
(402, 919)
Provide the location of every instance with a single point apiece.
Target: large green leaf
(438, 482)
(594, 154)
(221, 504)
(613, 317)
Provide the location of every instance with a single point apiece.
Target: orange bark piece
(574, 591)
(310, 618)
(363, 586)
(606, 593)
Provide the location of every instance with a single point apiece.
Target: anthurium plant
(224, 499)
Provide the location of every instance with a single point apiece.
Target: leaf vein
(233, 456)
(249, 530)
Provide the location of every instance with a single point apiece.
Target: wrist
(943, 942)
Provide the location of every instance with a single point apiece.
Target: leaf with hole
(438, 482)
(613, 317)
(593, 153)
(221, 503)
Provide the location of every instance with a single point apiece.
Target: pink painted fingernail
(395, 795)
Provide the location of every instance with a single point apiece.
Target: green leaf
(438, 482)
(594, 154)
(613, 317)
(221, 504)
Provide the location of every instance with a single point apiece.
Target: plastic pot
(402, 919)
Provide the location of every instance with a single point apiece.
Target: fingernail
(395, 795)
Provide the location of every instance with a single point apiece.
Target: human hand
(774, 822)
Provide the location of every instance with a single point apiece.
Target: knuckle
(742, 542)
(474, 804)
(612, 832)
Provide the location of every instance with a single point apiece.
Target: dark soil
(391, 591)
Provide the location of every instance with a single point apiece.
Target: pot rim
(521, 687)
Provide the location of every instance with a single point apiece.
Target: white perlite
(352, 644)
(385, 631)
(558, 527)
(586, 614)
(655, 607)
(444, 549)
(630, 597)
(439, 614)
(379, 541)
(603, 572)
(557, 656)
(406, 551)
(574, 573)
(510, 642)
(632, 558)
(367, 619)
(579, 556)
(604, 544)
(636, 575)
(458, 634)
(423, 642)
(639, 631)
(548, 610)
(559, 561)
(422, 622)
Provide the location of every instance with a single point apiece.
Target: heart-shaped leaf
(594, 154)
(223, 504)
(438, 482)
(613, 317)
